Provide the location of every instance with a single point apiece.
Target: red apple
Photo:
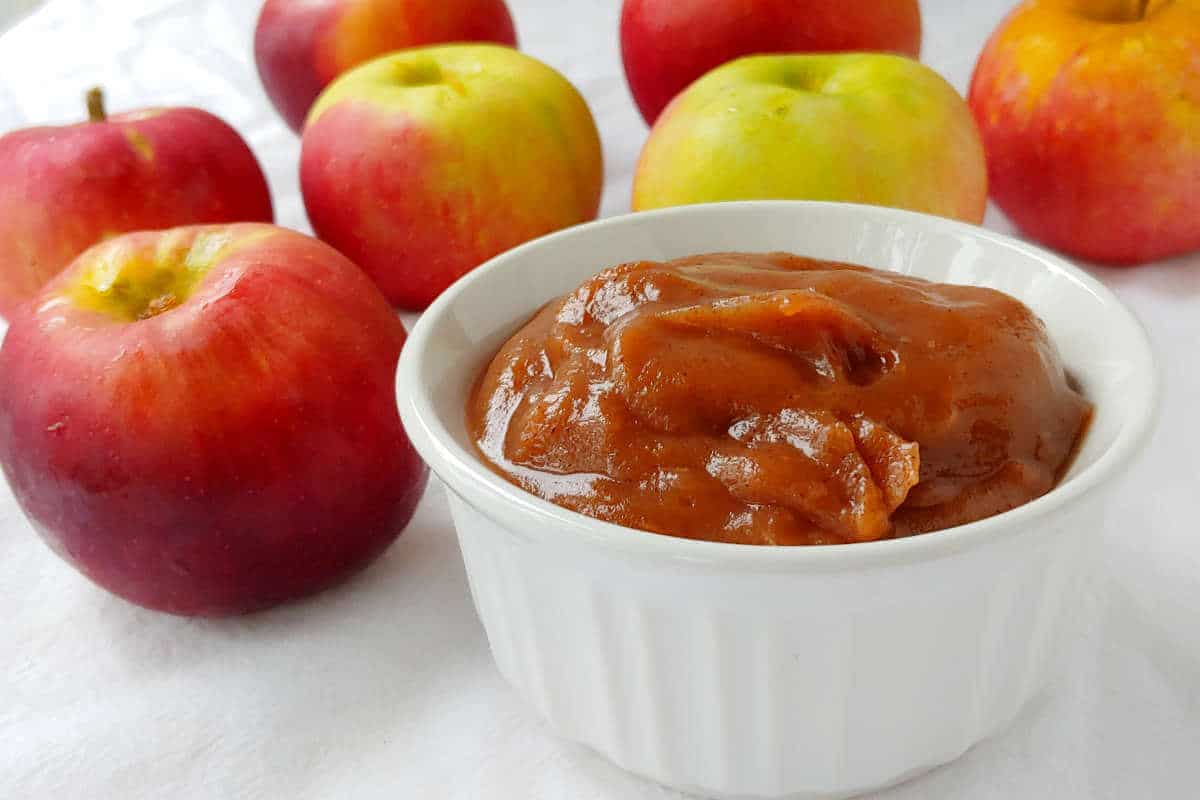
(302, 45)
(1090, 115)
(422, 164)
(667, 44)
(62, 189)
(202, 420)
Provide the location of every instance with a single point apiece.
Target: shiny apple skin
(237, 451)
(869, 128)
(667, 44)
(425, 163)
(300, 46)
(1090, 114)
(65, 188)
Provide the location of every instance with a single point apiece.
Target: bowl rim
(464, 472)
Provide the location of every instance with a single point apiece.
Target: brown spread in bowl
(773, 399)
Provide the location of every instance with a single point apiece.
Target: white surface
(384, 688)
(744, 671)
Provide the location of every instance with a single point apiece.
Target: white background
(384, 688)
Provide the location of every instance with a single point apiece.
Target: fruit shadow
(1177, 279)
(379, 654)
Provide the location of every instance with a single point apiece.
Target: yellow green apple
(302, 45)
(667, 44)
(856, 127)
(427, 162)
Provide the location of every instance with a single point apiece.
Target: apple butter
(774, 399)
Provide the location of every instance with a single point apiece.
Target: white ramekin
(743, 671)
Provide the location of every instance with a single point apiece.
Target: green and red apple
(203, 420)
(1090, 115)
(300, 46)
(64, 188)
(425, 163)
(854, 127)
(667, 44)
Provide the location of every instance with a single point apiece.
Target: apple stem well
(137, 292)
(1114, 11)
(419, 72)
(95, 105)
(130, 286)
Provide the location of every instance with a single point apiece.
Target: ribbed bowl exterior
(736, 684)
(763, 672)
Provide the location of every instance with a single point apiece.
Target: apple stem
(95, 105)
(1142, 4)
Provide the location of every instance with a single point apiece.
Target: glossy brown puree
(772, 399)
